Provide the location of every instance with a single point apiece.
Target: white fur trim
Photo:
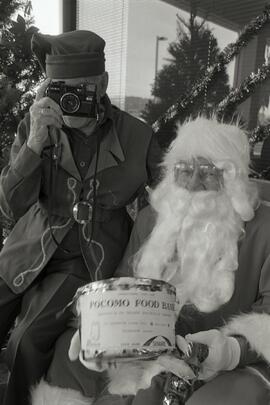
(256, 329)
(225, 145)
(45, 394)
(216, 141)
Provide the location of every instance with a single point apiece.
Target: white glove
(74, 353)
(44, 112)
(175, 365)
(224, 352)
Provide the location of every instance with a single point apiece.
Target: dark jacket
(124, 164)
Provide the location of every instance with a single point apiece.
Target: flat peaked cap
(71, 54)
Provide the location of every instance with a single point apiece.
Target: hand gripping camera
(79, 101)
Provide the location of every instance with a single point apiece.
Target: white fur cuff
(46, 394)
(255, 327)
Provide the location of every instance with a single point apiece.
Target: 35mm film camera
(80, 100)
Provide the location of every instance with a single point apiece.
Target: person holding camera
(75, 163)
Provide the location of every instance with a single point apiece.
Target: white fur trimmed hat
(210, 139)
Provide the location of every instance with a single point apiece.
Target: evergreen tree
(19, 71)
(194, 50)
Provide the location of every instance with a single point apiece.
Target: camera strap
(95, 180)
(55, 155)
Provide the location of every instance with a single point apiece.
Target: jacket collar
(110, 153)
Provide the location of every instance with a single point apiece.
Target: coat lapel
(109, 155)
(66, 160)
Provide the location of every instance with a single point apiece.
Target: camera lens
(70, 103)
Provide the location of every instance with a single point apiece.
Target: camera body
(77, 101)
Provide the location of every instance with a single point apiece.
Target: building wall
(250, 59)
(109, 19)
(245, 64)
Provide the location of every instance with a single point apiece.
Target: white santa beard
(154, 259)
(194, 246)
(207, 253)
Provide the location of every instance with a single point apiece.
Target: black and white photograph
(134, 202)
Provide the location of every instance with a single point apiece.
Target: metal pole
(158, 38)
(156, 61)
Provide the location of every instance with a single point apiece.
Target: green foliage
(19, 74)
(194, 50)
(7, 8)
(19, 71)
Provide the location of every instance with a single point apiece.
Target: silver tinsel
(223, 59)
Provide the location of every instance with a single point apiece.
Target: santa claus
(207, 233)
